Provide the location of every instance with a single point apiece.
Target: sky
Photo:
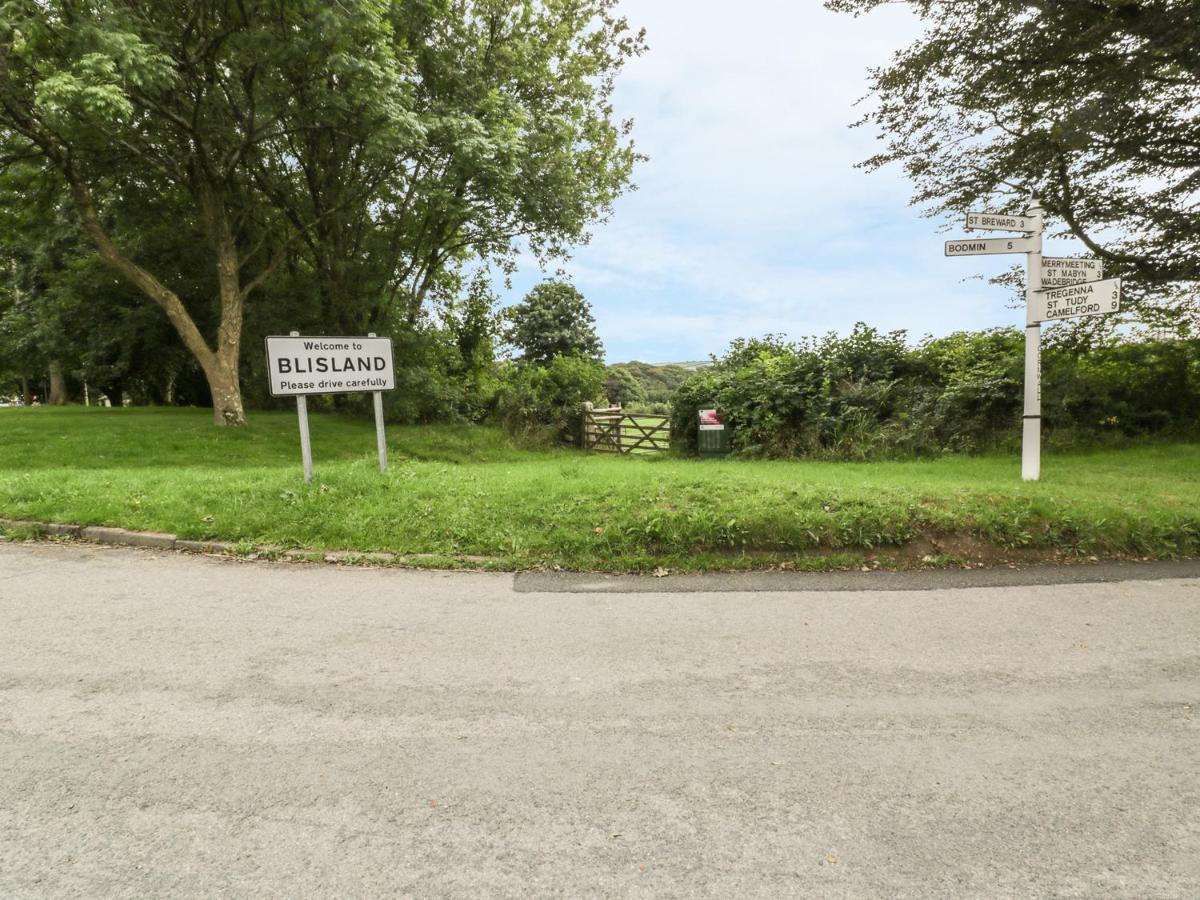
(750, 216)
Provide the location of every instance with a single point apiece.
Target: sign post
(298, 366)
(1055, 288)
(380, 438)
(305, 439)
(1031, 423)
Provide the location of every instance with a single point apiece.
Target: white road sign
(329, 365)
(999, 222)
(984, 246)
(1090, 298)
(1058, 271)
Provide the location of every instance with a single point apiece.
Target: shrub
(870, 395)
(434, 382)
(547, 400)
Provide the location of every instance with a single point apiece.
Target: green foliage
(1090, 106)
(869, 395)
(60, 305)
(553, 320)
(370, 152)
(548, 399)
(621, 387)
(658, 383)
(437, 383)
(972, 390)
(1124, 389)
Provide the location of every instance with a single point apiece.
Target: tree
(386, 141)
(150, 100)
(64, 314)
(621, 387)
(507, 141)
(1090, 105)
(553, 320)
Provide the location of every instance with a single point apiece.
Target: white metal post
(305, 442)
(1031, 431)
(380, 437)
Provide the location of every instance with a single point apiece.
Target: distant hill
(659, 381)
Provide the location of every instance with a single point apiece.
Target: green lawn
(467, 496)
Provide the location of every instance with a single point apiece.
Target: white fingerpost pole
(305, 442)
(1031, 433)
(380, 437)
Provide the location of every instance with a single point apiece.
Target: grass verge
(466, 495)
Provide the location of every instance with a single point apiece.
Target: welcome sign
(297, 366)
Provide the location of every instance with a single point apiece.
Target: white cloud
(751, 216)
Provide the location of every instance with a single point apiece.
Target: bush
(973, 389)
(870, 395)
(546, 400)
(434, 383)
(1127, 389)
(827, 396)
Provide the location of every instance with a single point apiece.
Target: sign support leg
(380, 438)
(305, 443)
(1031, 434)
(1031, 427)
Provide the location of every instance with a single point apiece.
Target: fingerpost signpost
(1055, 288)
(299, 366)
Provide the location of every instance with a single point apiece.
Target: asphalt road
(173, 726)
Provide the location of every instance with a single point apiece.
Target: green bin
(714, 435)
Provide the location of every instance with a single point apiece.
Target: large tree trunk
(226, 395)
(220, 365)
(222, 371)
(26, 392)
(58, 386)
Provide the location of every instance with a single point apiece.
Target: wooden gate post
(587, 425)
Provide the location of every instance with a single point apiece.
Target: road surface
(175, 726)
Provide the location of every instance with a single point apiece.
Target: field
(466, 496)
